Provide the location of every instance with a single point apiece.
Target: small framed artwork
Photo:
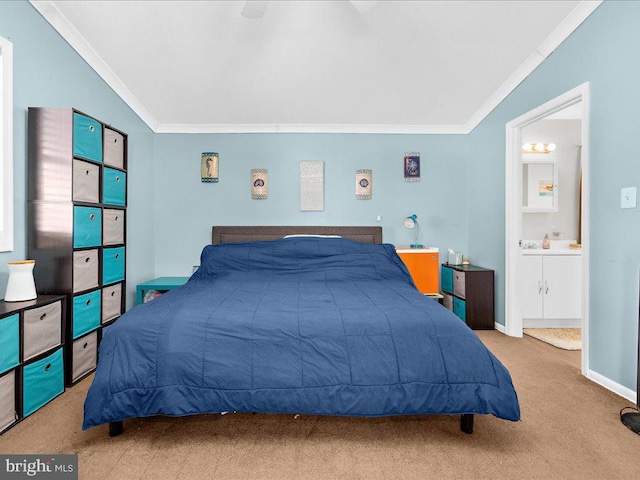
(412, 167)
(209, 167)
(259, 183)
(312, 186)
(364, 184)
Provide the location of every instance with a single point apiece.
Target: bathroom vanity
(551, 287)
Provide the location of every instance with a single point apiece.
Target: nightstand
(468, 292)
(161, 284)
(423, 265)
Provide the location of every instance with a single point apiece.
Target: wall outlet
(628, 197)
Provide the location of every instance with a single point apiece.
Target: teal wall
(49, 73)
(186, 208)
(604, 52)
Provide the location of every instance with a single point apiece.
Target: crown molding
(312, 128)
(59, 22)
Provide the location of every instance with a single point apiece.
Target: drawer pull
(88, 302)
(47, 368)
(43, 316)
(87, 260)
(92, 216)
(118, 178)
(85, 345)
(91, 128)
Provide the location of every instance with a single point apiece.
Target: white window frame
(6, 145)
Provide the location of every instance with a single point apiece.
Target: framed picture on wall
(209, 167)
(364, 184)
(412, 167)
(259, 183)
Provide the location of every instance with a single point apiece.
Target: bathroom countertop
(551, 251)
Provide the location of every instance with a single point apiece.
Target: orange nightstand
(423, 265)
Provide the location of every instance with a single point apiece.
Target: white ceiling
(315, 66)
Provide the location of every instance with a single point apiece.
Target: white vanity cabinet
(551, 290)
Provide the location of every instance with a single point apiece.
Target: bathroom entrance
(546, 263)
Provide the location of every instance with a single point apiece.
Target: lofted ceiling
(314, 66)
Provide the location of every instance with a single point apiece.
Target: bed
(325, 322)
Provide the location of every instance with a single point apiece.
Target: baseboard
(551, 323)
(612, 386)
(501, 328)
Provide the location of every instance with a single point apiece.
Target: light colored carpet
(570, 430)
(565, 338)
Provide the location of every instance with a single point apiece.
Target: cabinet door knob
(43, 316)
(117, 255)
(47, 368)
(86, 172)
(118, 178)
(88, 302)
(91, 128)
(113, 294)
(546, 287)
(539, 287)
(92, 216)
(87, 260)
(85, 345)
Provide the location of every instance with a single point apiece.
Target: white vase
(20, 286)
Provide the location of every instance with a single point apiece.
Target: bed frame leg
(115, 428)
(466, 422)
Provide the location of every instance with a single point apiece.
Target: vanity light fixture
(538, 147)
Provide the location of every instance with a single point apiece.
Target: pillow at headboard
(298, 235)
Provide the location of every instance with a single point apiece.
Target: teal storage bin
(43, 380)
(9, 342)
(87, 138)
(114, 190)
(112, 265)
(446, 275)
(460, 308)
(86, 313)
(87, 227)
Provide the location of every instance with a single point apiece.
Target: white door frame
(513, 209)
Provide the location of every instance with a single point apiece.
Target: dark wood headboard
(257, 233)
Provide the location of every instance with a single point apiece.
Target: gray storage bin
(85, 355)
(112, 226)
(85, 270)
(41, 329)
(113, 148)
(111, 302)
(8, 414)
(447, 301)
(86, 182)
(458, 284)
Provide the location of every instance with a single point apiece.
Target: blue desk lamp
(411, 222)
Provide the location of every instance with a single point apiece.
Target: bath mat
(565, 338)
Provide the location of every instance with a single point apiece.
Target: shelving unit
(469, 292)
(31, 361)
(77, 198)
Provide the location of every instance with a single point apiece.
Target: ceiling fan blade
(362, 5)
(254, 8)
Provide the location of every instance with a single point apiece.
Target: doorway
(576, 98)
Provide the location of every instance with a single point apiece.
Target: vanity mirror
(539, 184)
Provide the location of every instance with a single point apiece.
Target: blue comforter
(298, 325)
